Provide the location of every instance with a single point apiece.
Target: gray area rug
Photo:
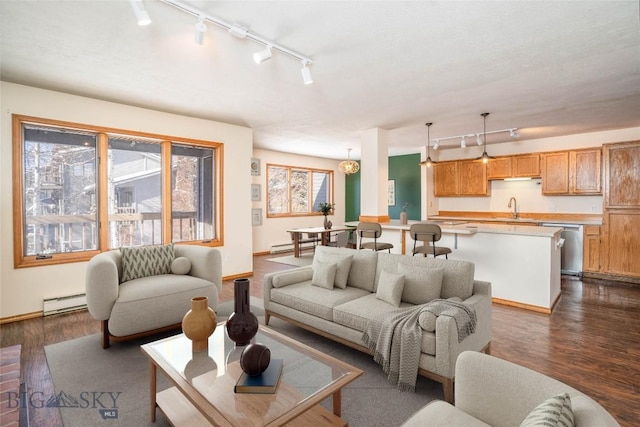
(302, 261)
(82, 371)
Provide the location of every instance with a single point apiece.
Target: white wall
(22, 290)
(529, 193)
(273, 231)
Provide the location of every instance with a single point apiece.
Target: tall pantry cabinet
(620, 242)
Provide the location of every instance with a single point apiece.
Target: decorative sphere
(255, 359)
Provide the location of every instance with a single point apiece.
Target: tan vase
(403, 217)
(199, 323)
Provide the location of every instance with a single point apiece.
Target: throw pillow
(556, 411)
(324, 274)
(390, 287)
(343, 266)
(421, 284)
(146, 261)
(181, 265)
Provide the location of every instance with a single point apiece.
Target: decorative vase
(242, 325)
(403, 217)
(327, 223)
(199, 323)
(255, 359)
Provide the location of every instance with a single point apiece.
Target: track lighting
(463, 142)
(238, 31)
(201, 28)
(436, 145)
(513, 133)
(478, 139)
(263, 55)
(141, 13)
(306, 73)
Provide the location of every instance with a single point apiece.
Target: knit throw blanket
(395, 338)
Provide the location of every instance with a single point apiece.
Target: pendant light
(349, 166)
(485, 157)
(428, 162)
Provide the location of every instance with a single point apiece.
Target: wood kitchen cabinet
(620, 244)
(521, 166)
(460, 178)
(576, 172)
(591, 248)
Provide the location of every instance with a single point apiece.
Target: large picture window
(81, 189)
(297, 191)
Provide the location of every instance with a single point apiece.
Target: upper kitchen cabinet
(576, 172)
(622, 175)
(521, 166)
(460, 178)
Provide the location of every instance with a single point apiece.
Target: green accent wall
(405, 170)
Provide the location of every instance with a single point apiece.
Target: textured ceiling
(550, 68)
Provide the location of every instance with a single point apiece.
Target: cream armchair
(149, 305)
(493, 392)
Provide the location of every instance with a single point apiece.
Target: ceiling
(549, 68)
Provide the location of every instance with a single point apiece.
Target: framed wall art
(255, 192)
(255, 167)
(256, 216)
(391, 194)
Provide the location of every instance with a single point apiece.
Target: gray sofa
(341, 314)
(148, 305)
(493, 392)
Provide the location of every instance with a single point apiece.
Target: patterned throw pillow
(556, 411)
(146, 261)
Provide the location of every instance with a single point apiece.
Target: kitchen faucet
(515, 212)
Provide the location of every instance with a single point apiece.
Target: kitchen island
(522, 262)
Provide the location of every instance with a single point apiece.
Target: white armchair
(149, 305)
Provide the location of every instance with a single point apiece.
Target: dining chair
(372, 230)
(429, 234)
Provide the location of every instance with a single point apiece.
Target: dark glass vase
(242, 325)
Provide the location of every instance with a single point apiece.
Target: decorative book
(267, 382)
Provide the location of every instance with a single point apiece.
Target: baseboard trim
(522, 305)
(237, 276)
(19, 317)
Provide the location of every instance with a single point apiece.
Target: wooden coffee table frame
(185, 405)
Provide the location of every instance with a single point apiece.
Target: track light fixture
(428, 162)
(485, 157)
(436, 145)
(201, 28)
(141, 13)
(263, 55)
(306, 73)
(236, 31)
(478, 139)
(513, 133)
(463, 142)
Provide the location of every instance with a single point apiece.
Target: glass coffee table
(204, 381)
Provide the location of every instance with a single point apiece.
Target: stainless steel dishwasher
(571, 251)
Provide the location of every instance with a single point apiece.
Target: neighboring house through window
(148, 190)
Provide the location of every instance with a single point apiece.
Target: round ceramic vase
(242, 325)
(199, 323)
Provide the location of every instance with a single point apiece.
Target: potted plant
(403, 214)
(326, 208)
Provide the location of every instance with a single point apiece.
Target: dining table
(325, 235)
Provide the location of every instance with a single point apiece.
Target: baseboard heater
(64, 304)
(288, 247)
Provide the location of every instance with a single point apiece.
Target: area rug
(302, 261)
(90, 382)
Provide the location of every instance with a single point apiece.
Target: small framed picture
(255, 192)
(391, 195)
(255, 167)
(256, 216)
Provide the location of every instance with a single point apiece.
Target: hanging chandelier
(349, 166)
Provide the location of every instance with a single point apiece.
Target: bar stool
(372, 230)
(429, 234)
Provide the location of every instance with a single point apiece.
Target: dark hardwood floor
(591, 342)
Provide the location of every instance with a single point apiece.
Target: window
(68, 205)
(297, 191)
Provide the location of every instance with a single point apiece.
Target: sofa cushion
(427, 320)
(356, 313)
(324, 274)
(390, 288)
(315, 300)
(362, 273)
(440, 413)
(554, 412)
(181, 265)
(421, 284)
(290, 277)
(145, 261)
(343, 262)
